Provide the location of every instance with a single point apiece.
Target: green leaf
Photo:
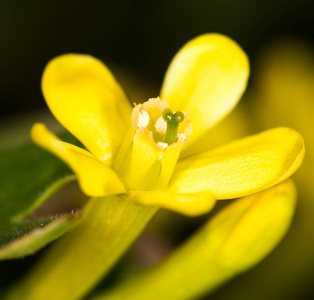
(28, 175)
(24, 239)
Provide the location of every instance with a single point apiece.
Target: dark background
(142, 36)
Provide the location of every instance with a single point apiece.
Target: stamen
(173, 120)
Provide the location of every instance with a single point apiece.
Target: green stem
(75, 264)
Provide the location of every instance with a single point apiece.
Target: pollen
(161, 126)
(143, 119)
(162, 145)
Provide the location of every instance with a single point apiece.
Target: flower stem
(75, 264)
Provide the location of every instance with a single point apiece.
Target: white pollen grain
(162, 145)
(181, 137)
(161, 126)
(143, 119)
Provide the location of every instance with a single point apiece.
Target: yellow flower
(147, 153)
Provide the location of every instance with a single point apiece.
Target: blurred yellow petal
(206, 79)
(267, 214)
(86, 99)
(243, 167)
(94, 177)
(188, 204)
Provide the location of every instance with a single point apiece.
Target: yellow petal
(86, 99)
(242, 167)
(188, 204)
(95, 178)
(168, 162)
(143, 165)
(136, 157)
(206, 79)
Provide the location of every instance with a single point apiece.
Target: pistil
(173, 120)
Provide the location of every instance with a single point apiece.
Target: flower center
(150, 151)
(156, 119)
